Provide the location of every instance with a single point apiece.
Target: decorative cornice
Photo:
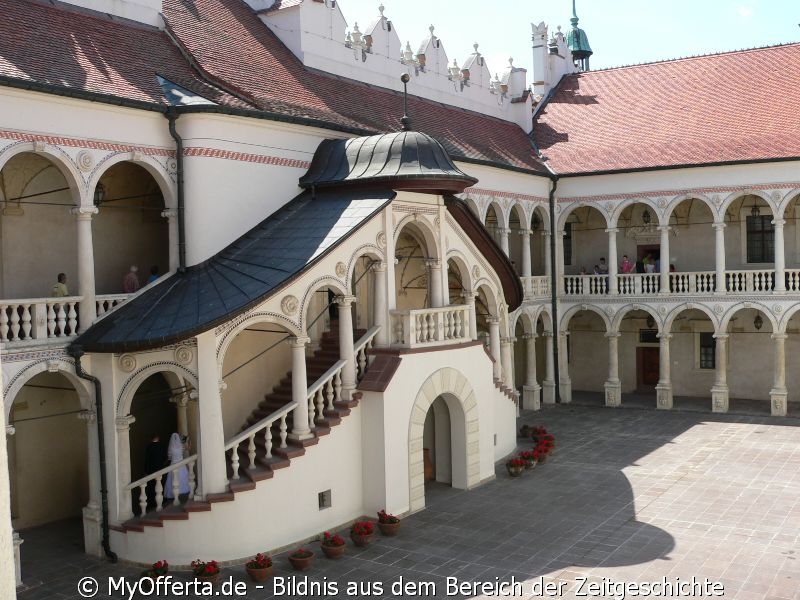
(681, 192)
(56, 140)
(473, 191)
(263, 159)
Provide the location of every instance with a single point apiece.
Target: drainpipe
(76, 352)
(172, 115)
(554, 281)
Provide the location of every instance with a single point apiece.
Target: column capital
(169, 213)
(503, 230)
(10, 430)
(529, 336)
(433, 263)
(89, 416)
(779, 336)
(182, 400)
(524, 232)
(721, 336)
(779, 222)
(493, 320)
(508, 340)
(345, 301)
(84, 213)
(664, 336)
(718, 225)
(547, 334)
(124, 423)
(378, 265)
(613, 334)
(545, 232)
(611, 230)
(563, 333)
(664, 228)
(194, 395)
(469, 295)
(298, 341)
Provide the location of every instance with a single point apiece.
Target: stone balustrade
(427, 327)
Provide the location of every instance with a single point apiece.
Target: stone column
(664, 229)
(507, 361)
(171, 215)
(92, 512)
(719, 253)
(664, 386)
(181, 409)
(346, 349)
(612, 386)
(494, 346)
(559, 258)
(504, 239)
(531, 391)
(87, 310)
(549, 383)
(212, 467)
(613, 262)
(548, 256)
(124, 465)
(778, 393)
(780, 256)
(719, 392)
(10, 542)
(301, 429)
(526, 252)
(381, 307)
(565, 383)
(469, 300)
(435, 282)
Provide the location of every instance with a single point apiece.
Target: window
(760, 239)
(567, 243)
(648, 336)
(708, 348)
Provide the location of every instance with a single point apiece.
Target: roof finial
(406, 120)
(574, 19)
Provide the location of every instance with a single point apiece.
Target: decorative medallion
(776, 197)
(381, 239)
(719, 309)
(717, 200)
(662, 310)
(85, 160)
(610, 311)
(172, 165)
(609, 207)
(437, 221)
(662, 202)
(183, 355)
(341, 270)
(777, 309)
(476, 271)
(289, 305)
(127, 362)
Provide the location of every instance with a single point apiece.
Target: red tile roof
(91, 52)
(230, 44)
(737, 106)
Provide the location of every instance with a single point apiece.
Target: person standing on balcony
(60, 288)
(603, 267)
(153, 274)
(626, 266)
(130, 283)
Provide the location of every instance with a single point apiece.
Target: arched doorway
(437, 443)
(639, 357)
(418, 272)
(587, 347)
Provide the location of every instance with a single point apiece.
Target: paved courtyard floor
(630, 495)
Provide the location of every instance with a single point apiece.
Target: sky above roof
(620, 32)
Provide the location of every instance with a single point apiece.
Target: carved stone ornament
(172, 165)
(610, 311)
(719, 309)
(184, 355)
(476, 271)
(662, 202)
(341, 270)
(127, 362)
(776, 197)
(717, 200)
(39, 146)
(84, 160)
(662, 310)
(289, 305)
(437, 222)
(381, 239)
(609, 207)
(777, 309)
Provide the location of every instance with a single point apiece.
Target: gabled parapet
(552, 59)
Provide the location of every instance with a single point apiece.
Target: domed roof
(404, 160)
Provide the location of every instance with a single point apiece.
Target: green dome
(576, 38)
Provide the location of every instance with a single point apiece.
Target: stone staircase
(245, 478)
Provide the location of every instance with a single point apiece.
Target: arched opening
(694, 350)
(485, 310)
(363, 282)
(458, 280)
(639, 358)
(751, 360)
(749, 245)
(640, 240)
(587, 357)
(48, 454)
(520, 354)
(495, 222)
(691, 222)
(517, 228)
(38, 235)
(791, 237)
(793, 375)
(128, 230)
(416, 268)
(539, 226)
(437, 444)
(583, 252)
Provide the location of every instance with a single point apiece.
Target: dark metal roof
(265, 258)
(404, 160)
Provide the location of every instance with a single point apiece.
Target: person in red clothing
(130, 282)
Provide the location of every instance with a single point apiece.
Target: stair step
(151, 520)
(197, 506)
(173, 513)
(241, 485)
(219, 497)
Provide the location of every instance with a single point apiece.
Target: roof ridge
(692, 57)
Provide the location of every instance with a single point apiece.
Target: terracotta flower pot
(361, 540)
(212, 579)
(389, 529)
(333, 551)
(515, 471)
(259, 575)
(302, 563)
(529, 464)
(542, 458)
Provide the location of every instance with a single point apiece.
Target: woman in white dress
(175, 455)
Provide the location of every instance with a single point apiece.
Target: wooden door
(647, 367)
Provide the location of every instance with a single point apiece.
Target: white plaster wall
(279, 512)
(7, 576)
(144, 11)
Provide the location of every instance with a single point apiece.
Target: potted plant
(156, 570)
(361, 533)
(333, 546)
(530, 457)
(206, 571)
(388, 524)
(301, 559)
(259, 568)
(515, 466)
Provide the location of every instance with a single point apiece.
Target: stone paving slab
(629, 496)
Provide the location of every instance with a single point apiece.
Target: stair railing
(324, 392)
(252, 432)
(158, 488)
(361, 350)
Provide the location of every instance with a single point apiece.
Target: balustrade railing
(250, 435)
(536, 287)
(153, 499)
(324, 392)
(750, 281)
(793, 280)
(362, 348)
(693, 282)
(638, 284)
(38, 318)
(430, 326)
(108, 301)
(585, 285)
